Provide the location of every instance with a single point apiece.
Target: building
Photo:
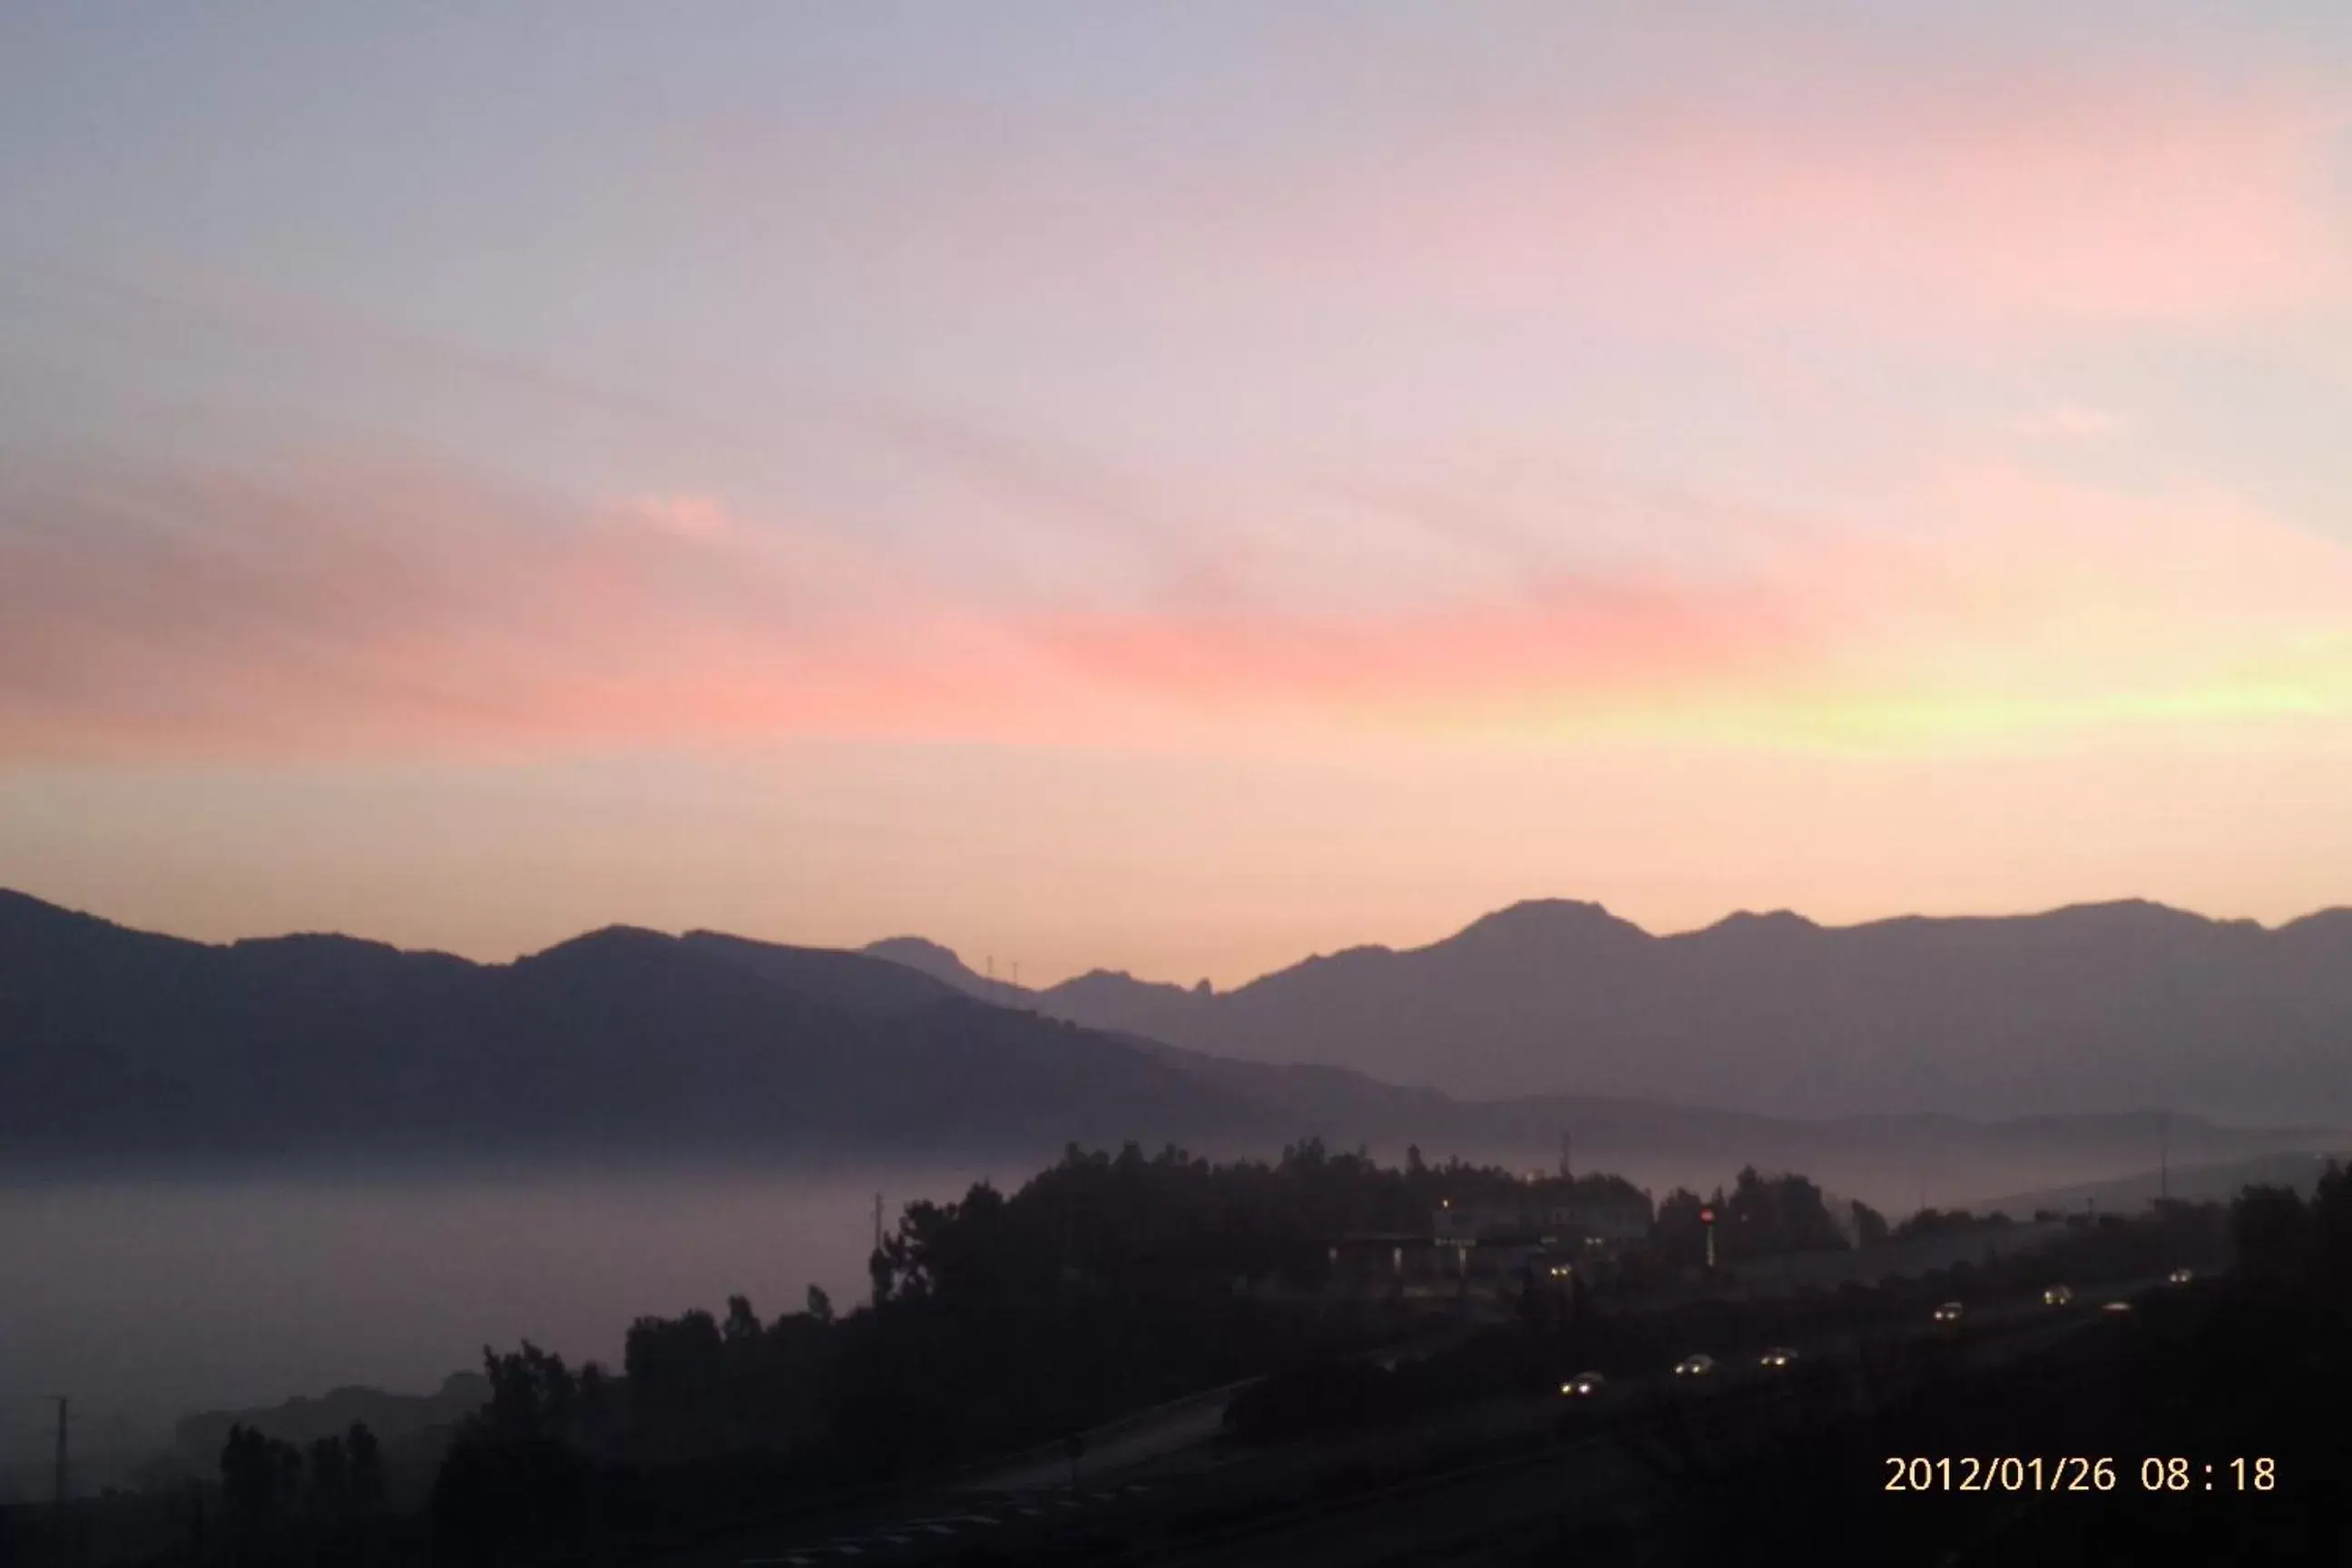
(1381, 1258)
(1592, 1221)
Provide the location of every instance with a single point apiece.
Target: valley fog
(144, 1301)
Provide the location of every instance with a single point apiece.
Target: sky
(1170, 488)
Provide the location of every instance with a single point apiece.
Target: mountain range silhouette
(2037, 1049)
(2083, 1010)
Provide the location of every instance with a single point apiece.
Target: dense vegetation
(1761, 1216)
(1106, 1283)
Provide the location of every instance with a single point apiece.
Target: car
(1777, 1358)
(1950, 1312)
(1584, 1386)
(1695, 1366)
(2181, 1276)
(2058, 1296)
(2116, 1309)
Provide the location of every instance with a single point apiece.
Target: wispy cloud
(372, 610)
(686, 517)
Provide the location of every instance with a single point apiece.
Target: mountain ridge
(2085, 1006)
(625, 1044)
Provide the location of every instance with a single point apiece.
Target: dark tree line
(1105, 1283)
(1761, 1216)
(284, 1503)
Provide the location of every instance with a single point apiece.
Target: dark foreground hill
(617, 1044)
(2093, 1009)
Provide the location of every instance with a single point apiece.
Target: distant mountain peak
(1768, 922)
(1545, 920)
(943, 964)
(918, 953)
(937, 960)
(2136, 915)
(604, 942)
(1120, 979)
(313, 941)
(620, 933)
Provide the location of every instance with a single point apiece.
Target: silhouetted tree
(260, 1476)
(331, 1478)
(595, 1395)
(365, 1461)
(743, 1325)
(532, 1393)
(1677, 1233)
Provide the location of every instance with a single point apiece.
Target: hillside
(617, 1044)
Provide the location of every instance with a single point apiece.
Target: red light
(1707, 1216)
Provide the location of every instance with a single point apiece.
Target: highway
(1454, 1481)
(1613, 1474)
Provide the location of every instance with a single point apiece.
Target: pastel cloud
(2006, 602)
(685, 516)
(376, 611)
(372, 608)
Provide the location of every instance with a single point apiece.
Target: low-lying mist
(144, 1300)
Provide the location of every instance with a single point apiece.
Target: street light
(1707, 1218)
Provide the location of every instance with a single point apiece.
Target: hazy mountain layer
(2091, 1010)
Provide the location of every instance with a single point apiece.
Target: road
(1157, 1491)
(1118, 1447)
(1469, 1509)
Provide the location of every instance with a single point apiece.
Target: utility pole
(2163, 1156)
(61, 1445)
(878, 1248)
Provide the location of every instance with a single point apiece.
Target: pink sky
(1150, 519)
